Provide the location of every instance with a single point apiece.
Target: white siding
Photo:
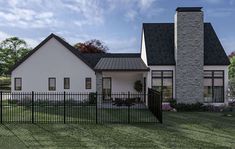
(124, 81)
(143, 50)
(53, 60)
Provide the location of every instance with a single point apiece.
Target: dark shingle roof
(121, 64)
(159, 41)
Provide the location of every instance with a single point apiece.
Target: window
(88, 83)
(52, 84)
(66, 83)
(213, 86)
(162, 81)
(18, 84)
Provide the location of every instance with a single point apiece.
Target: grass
(180, 130)
(74, 114)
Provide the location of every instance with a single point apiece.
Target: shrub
(92, 98)
(138, 86)
(186, 107)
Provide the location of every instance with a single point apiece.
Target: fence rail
(65, 107)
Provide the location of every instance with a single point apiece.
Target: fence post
(96, 108)
(32, 106)
(1, 107)
(64, 107)
(128, 107)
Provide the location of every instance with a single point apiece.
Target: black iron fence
(55, 107)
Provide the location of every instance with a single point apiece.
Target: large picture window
(162, 81)
(52, 84)
(18, 84)
(213, 86)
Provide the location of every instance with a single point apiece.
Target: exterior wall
(123, 81)
(189, 49)
(149, 75)
(143, 50)
(53, 60)
(225, 69)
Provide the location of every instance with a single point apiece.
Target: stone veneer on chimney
(189, 54)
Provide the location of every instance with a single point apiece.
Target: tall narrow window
(66, 83)
(88, 83)
(18, 84)
(213, 86)
(162, 81)
(52, 84)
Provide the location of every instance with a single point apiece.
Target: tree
(232, 68)
(12, 50)
(231, 54)
(92, 46)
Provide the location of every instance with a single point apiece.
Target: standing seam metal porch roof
(121, 64)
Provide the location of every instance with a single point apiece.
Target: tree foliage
(92, 46)
(11, 50)
(232, 68)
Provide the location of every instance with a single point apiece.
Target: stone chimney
(189, 54)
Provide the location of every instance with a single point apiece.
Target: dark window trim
(212, 79)
(86, 82)
(20, 83)
(49, 83)
(68, 81)
(162, 77)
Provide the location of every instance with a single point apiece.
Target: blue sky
(117, 23)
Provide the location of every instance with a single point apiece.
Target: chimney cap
(189, 9)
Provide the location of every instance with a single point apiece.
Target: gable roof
(159, 41)
(60, 40)
(90, 59)
(121, 64)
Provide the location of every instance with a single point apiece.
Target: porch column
(99, 87)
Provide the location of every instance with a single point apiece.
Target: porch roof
(121, 64)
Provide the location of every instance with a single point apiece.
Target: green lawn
(179, 130)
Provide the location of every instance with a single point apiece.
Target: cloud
(90, 11)
(131, 15)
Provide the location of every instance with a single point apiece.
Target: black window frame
(162, 78)
(67, 87)
(20, 84)
(86, 81)
(49, 84)
(213, 77)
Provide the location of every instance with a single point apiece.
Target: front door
(106, 88)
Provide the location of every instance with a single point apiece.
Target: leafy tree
(11, 50)
(231, 54)
(232, 68)
(92, 46)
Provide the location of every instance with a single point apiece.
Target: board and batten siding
(53, 60)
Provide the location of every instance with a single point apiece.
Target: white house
(184, 60)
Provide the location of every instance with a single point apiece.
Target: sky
(118, 23)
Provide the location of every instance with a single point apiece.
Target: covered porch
(119, 76)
